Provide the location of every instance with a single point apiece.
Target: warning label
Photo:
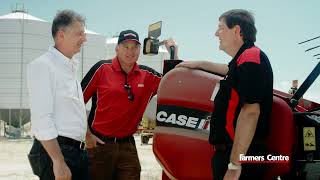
(309, 139)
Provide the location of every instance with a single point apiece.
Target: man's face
(128, 52)
(74, 37)
(226, 36)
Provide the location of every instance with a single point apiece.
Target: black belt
(116, 139)
(225, 147)
(71, 142)
(222, 147)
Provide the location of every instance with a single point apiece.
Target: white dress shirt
(56, 99)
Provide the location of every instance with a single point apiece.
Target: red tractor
(180, 142)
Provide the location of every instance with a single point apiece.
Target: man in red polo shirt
(120, 90)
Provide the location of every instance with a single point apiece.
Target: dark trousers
(75, 158)
(114, 161)
(221, 159)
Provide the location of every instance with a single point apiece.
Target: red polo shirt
(112, 113)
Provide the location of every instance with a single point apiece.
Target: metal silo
(22, 39)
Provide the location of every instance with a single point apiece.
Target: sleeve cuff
(44, 136)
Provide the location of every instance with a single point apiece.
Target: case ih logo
(175, 116)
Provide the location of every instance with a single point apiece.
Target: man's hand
(92, 140)
(170, 42)
(61, 170)
(232, 174)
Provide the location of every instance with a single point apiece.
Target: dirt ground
(14, 164)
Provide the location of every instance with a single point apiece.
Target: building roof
(87, 31)
(113, 40)
(21, 15)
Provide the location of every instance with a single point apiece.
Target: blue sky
(281, 25)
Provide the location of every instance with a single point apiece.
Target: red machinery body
(184, 108)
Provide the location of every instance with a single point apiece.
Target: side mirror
(151, 43)
(150, 46)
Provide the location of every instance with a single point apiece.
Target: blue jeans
(75, 158)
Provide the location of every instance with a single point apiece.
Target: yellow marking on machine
(309, 139)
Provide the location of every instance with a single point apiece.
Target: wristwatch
(234, 166)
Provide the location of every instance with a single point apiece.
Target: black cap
(128, 35)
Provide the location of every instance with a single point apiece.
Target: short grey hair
(244, 19)
(65, 18)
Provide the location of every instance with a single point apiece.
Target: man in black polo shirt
(243, 103)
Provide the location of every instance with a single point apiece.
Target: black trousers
(221, 159)
(75, 158)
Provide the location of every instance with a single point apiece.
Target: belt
(116, 139)
(223, 147)
(258, 141)
(220, 147)
(71, 142)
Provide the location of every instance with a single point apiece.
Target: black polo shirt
(249, 80)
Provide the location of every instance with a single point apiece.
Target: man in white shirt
(58, 114)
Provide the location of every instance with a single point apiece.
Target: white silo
(93, 50)
(22, 39)
(153, 61)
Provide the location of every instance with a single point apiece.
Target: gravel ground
(14, 164)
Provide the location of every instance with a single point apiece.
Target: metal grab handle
(294, 100)
(172, 49)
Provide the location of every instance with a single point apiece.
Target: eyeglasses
(127, 87)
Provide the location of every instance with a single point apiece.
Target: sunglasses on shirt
(127, 87)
